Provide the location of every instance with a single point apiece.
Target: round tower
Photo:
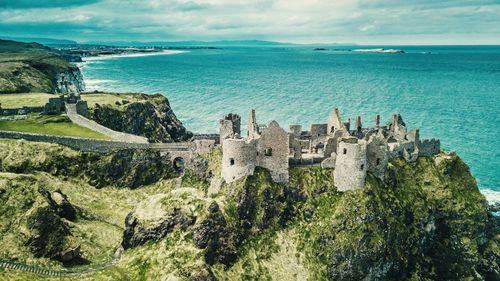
(350, 165)
(238, 158)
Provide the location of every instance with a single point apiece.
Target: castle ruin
(352, 152)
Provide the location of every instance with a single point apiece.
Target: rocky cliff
(31, 67)
(426, 221)
(147, 115)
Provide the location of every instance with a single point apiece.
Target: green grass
(107, 98)
(51, 125)
(27, 99)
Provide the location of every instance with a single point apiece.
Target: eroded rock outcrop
(31, 67)
(136, 233)
(151, 117)
(212, 235)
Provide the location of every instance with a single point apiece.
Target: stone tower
(253, 127)
(351, 164)
(238, 158)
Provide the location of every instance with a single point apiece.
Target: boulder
(136, 233)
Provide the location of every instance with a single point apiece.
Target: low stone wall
(215, 137)
(93, 145)
(21, 110)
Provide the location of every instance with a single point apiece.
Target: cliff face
(426, 221)
(31, 67)
(149, 116)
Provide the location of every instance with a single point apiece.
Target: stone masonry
(353, 153)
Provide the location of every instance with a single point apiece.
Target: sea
(449, 92)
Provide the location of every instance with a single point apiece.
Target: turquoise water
(452, 93)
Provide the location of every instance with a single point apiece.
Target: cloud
(34, 4)
(363, 21)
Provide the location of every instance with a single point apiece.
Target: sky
(297, 21)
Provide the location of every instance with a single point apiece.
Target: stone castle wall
(93, 145)
(377, 155)
(429, 147)
(273, 150)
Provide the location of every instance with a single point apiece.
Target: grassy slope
(328, 223)
(39, 99)
(108, 98)
(28, 67)
(51, 125)
(24, 99)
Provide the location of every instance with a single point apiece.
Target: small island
(379, 50)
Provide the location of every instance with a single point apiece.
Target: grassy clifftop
(30, 67)
(426, 221)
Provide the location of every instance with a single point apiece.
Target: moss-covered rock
(129, 168)
(123, 168)
(426, 221)
(150, 116)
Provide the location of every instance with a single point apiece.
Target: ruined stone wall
(252, 126)
(95, 145)
(204, 145)
(294, 146)
(350, 164)
(377, 155)
(238, 159)
(334, 121)
(296, 130)
(21, 110)
(318, 135)
(429, 147)
(398, 149)
(82, 108)
(330, 147)
(272, 151)
(54, 106)
(229, 127)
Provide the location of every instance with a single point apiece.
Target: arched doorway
(178, 164)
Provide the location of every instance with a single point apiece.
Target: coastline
(492, 195)
(103, 57)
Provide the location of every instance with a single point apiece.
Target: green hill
(426, 221)
(31, 67)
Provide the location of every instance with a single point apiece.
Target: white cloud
(363, 21)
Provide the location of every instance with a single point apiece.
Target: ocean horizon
(449, 92)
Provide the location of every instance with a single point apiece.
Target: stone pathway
(13, 265)
(87, 123)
